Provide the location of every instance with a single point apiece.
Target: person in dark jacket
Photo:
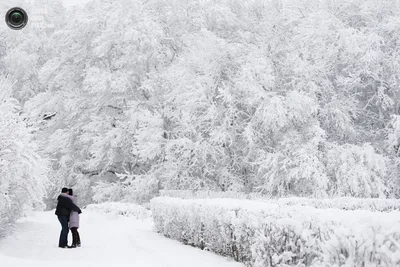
(63, 210)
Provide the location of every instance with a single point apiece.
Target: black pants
(63, 241)
(76, 239)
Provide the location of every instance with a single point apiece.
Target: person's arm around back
(70, 205)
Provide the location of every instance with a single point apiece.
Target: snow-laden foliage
(23, 172)
(276, 97)
(122, 209)
(263, 234)
(356, 171)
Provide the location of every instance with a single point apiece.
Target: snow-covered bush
(356, 171)
(123, 209)
(132, 189)
(266, 234)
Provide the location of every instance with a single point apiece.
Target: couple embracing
(68, 214)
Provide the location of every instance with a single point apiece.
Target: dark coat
(65, 205)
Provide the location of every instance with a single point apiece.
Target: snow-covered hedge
(266, 234)
(344, 203)
(124, 209)
(190, 194)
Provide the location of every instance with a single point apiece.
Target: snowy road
(107, 240)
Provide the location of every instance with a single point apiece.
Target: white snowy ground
(107, 240)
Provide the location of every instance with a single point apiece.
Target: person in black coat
(63, 210)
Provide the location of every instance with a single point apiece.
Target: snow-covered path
(107, 240)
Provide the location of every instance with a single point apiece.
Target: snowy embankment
(270, 234)
(111, 236)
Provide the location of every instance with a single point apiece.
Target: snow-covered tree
(274, 97)
(23, 172)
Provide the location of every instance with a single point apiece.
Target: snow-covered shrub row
(190, 194)
(266, 234)
(124, 209)
(344, 203)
